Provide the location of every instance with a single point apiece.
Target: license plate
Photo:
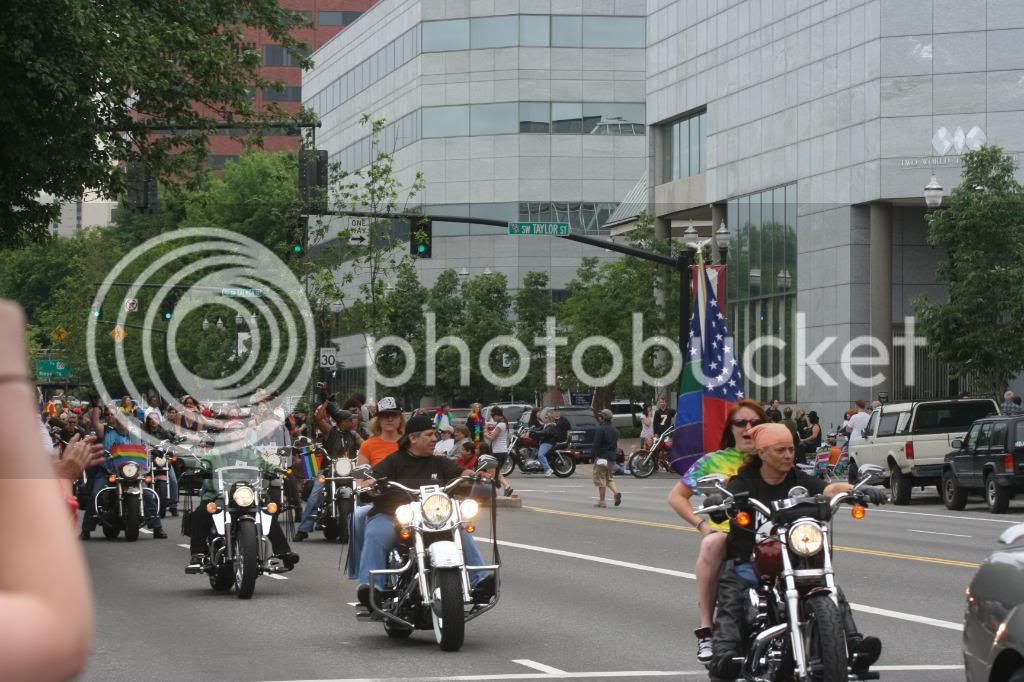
(576, 437)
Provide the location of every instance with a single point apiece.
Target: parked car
(584, 425)
(626, 414)
(910, 440)
(994, 621)
(512, 411)
(989, 459)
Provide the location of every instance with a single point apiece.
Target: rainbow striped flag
(310, 464)
(123, 452)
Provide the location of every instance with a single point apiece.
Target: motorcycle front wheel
(132, 519)
(446, 609)
(161, 493)
(346, 506)
(331, 529)
(247, 562)
(509, 465)
(826, 641)
(562, 464)
(641, 464)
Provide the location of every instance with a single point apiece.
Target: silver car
(994, 623)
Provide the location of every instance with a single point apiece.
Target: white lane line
(932, 532)
(352, 603)
(146, 531)
(628, 674)
(945, 516)
(539, 666)
(186, 546)
(898, 615)
(276, 576)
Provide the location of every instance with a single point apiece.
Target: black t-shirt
(663, 419)
(741, 540)
(340, 444)
(412, 472)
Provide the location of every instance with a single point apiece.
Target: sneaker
(618, 499)
(196, 563)
(300, 536)
(549, 473)
(508, 491)
(864, 652)
(704, 650)
(289, 559)
(159, 534)
(601, 504)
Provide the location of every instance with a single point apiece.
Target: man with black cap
(340, 442)
(413, 465)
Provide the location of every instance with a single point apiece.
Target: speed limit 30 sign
(328, 358)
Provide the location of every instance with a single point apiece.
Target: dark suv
(989, 459)
(581, 435)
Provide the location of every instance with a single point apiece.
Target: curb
(514, 502)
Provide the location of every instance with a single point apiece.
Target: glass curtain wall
(762, 284)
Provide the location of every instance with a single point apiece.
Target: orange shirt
(375, 449)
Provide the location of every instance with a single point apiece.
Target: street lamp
(206, 324)
(220, 323)
(690, 238)
(783, 280)
(239, 320)
(487, 270)
(933, 193)
(464, 274)
(684, 261)
(722, 237)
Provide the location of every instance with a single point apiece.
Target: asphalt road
(600, 593)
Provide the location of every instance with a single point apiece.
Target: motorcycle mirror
(709, 484)
(798, 491)
(487, 462)
(868, 472)
(362, 472)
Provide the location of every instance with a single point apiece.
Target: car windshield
(950, 417)
(580, 419)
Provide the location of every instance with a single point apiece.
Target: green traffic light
(422, 248)
(297, 249)
(167, 315)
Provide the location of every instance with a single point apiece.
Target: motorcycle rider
(735, 445)
(340, 442)
(114, 431)
(413, 465)
(768, 475)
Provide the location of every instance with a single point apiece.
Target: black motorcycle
(337, 498)
(119, 504)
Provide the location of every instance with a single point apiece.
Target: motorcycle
(161, 459)
(796, 626)
(119, 505)
(337, 500)
(643, 463)
(522, 453)
(238, 546)
(427, 583)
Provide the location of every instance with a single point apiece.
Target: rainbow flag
(310, 464)
(122, 453)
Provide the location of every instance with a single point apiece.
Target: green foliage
(980, 329)
(445, 302)
(533, 305)
(486, 304)
(84, 77)
(405, 302)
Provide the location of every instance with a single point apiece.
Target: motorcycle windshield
(239, 466)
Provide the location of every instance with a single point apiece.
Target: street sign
(52, 369)
(328, 358)
(549, 229)
(59, 334)
(118, 333)
(241, 293)
(131, 304)
(358, 230)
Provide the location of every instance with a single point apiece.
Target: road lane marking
(276, 576)
(186, 546)
(686, 529)
(875, 510)
(932, 532)
(539, 666)
(898, 615)
(146, 531)
(628, 674)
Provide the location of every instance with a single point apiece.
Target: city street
(587, 593)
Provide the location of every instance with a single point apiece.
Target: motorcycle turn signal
(211, 508)
(743, 519)
(858, 511)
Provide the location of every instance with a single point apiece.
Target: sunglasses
(742, 423)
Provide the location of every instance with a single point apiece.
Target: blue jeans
(381, 537)
(356, 533)
(172, 485)
(99, 481)
(306, 525)
(542, 455)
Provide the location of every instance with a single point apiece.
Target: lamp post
(933, 193)
(722, 237)
(463, 275)
(684, 261)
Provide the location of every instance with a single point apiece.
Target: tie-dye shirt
(725, 462)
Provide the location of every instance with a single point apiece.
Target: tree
(533, 305)
(446, 303)
(980, 329)
(406, 303)
(486, 303)
(85, 78)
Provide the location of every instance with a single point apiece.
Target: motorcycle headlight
(404, 515)
(129, 470)
(469, 508)
(243, 496)
(806, 539)
(437, 509)
(343, 467)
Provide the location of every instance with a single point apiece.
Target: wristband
(702, 522)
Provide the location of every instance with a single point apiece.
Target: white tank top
(500, 442)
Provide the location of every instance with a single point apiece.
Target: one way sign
(358, 230)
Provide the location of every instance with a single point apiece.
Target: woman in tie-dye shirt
(735, 445)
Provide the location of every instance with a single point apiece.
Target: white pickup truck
(911, 440)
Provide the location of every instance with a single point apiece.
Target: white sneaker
(549, 473)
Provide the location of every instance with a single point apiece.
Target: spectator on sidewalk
(1009, 405)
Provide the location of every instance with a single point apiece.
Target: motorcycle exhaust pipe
(764, 638)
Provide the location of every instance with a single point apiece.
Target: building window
(439, 36)
(535, 117)
(288, 94)
(338, 18)
(494, 32)
(534, 30)
(613, 119)
(566, 31)
(566, 117)
(762, 284)
(494, 119)
(445, 121)
(610, 32)
(275, 55)
(682, 149)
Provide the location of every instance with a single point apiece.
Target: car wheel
(953, 496)
(900, 485)
(997, 497)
